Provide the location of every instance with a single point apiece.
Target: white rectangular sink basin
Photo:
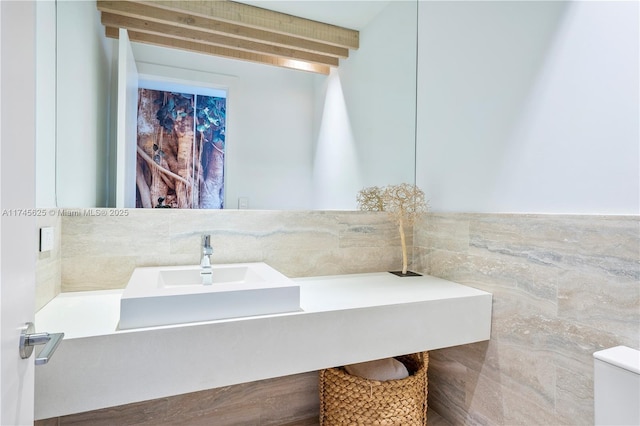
(176, 294)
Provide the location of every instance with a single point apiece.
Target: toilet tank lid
(620, 356)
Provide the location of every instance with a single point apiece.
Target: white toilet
(616, 383)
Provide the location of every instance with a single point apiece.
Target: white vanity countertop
(344, 319)
(96, 313)
(331, 293)
(81, 314)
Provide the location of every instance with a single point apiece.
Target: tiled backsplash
(100, 252)
(563, 287)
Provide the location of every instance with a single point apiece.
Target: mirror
(295, 140)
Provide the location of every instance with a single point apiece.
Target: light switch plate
(46, 239)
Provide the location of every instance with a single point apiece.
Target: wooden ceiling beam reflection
(232, 30)
(190, 46)
(132, 9)
(196, 36)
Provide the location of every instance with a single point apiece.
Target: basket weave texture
(352, 400)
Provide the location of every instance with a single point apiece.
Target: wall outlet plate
(46, 239)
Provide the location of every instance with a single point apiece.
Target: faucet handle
(206, 245)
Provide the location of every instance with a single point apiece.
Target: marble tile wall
(100, 252)
(563, 287)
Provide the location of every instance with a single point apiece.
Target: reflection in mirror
(294, 140)
(180, 146)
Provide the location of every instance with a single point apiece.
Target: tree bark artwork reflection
(181, 149)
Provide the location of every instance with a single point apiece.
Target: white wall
(529, 106)
(365, 112)
(84, 77)
(46, 103)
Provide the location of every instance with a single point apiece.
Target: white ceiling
(353, 14)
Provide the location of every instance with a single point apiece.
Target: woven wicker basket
(352, 400)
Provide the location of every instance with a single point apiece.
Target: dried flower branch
(405, 203)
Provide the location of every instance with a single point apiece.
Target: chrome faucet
(205, 261)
